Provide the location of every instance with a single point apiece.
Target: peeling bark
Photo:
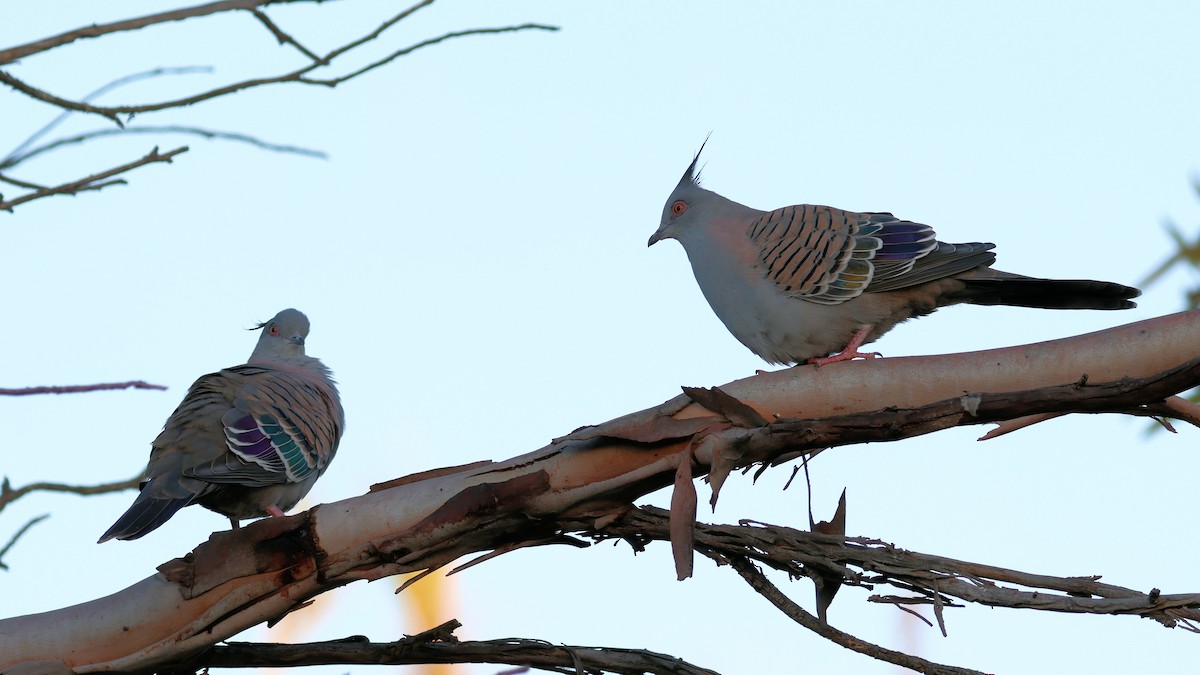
(259, 573)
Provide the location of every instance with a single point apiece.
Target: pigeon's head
(282, 337)
(685, 205)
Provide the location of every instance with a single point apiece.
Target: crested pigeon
(247, 441)
(802, 282)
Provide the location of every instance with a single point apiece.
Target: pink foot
(274, 511)
(850, 352)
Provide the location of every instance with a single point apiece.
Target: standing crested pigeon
(246, 442)
(801, 282)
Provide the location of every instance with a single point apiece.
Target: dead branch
(80, 388)
(759, 582)
(929, 579)
(120, 114)
(20, 153)
(209, 134)
(95, 181)
(8, 495)
(17, 536)
(274, 566)
(96, 30)
(296, 76)
(438, 645)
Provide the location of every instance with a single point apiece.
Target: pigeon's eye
(678, 208)
(273, 330)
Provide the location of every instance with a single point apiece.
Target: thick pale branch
(260, 572)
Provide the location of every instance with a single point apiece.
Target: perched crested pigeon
(801, 282)
(247, 441)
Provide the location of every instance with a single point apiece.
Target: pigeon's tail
(144, 516)
(1048, 293)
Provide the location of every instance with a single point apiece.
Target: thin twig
(18, 535)
(113, 112)
(19, 151)
(81, 388)
(20, 183)
(169, 129)
(332, 82)
(95, 181)
(96, 30)
(439, 645)
(282, 36)
(8, 495)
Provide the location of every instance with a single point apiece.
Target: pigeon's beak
(297, 340)
(655, 238)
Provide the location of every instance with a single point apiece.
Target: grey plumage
(804, 281)
(247, 441)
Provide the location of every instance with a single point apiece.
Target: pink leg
(850, 352)
(274, 510)
(234, 523)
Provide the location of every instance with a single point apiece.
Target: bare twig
(438, 645)
(18, 535)
(95, 181)
(96, 30)
(933, 579)
(81, 388)
(113, 112)
(168, 129)
(19, 154)
(759, 582)
(8, 495)
(20, 183)
(331, 82)
(282, 36)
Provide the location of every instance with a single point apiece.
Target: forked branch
(306, 74)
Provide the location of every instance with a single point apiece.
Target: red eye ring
(678, 208)
(274, 329)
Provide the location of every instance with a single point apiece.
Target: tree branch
(281, 36)
(298, 75)
(20, 532)
(96, 30)
(759, 582)
(332, 82)
(93, 182)
(8, 495)
(585, 481)
(932, 579)
(167, 129)
(81, 388)
(439, 645)
(19, 154)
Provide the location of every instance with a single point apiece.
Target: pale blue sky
(480, 227)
